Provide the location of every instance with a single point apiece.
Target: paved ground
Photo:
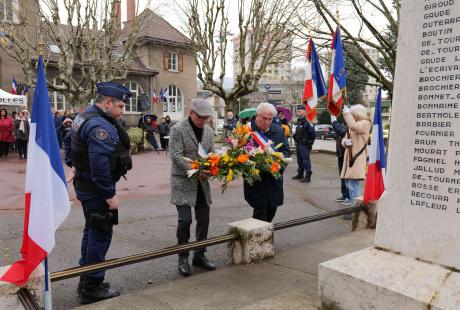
(286, 281)
(148, 221)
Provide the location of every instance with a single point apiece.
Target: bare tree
(90, 46)
(323, 25)
(265, 30)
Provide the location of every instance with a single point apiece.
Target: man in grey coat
(185, 140)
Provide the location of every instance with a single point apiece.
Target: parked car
(324, 132)
(386, 133)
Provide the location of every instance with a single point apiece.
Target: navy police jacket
(102, 138)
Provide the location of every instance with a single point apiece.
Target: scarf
(21, 125)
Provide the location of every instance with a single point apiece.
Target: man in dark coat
(267, 194)
(304, 138)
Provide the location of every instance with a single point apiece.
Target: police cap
(301, 107)
(114, 90)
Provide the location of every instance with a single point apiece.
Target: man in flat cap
(97, 148)
(304, 138)
(186, 138)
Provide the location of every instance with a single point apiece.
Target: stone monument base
(378, 279)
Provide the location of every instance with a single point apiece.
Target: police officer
(97, 148)
(304, 137)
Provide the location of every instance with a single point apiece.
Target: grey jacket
(183, 143)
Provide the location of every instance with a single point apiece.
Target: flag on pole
(46, 198)
(154, 101)
(25, 90)
(154, 97)
(165, 96)
(337, 77)
(315, 87)
(375, 180)
(14, 87)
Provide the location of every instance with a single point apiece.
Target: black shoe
(199, 260)
(184, 267)
(81, 285)
(96, 294)
(297, 177)
(307, 178)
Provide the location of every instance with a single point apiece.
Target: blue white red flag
(337, 77)
(315, 86)
(165, 96)
(375, 180)
(46, 198)
(14, 87)
(154, 97)
(25, 90)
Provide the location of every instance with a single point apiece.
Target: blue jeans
(354, 188)
(95, 242)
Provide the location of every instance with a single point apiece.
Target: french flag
(315, 86)
(337, 77)
(154, 97)
(375, 184)
(14, 87)
(46, 199)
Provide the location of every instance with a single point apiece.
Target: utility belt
(103, 219)
(84, 185)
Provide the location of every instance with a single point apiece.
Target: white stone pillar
(8, 292)
(414, 263)
(255, 241)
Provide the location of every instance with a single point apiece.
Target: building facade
(162, 61)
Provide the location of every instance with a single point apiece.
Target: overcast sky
(170, 11)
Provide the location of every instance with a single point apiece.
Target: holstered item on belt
(103, 219)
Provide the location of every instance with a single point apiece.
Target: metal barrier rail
(137, 258)
(27, 299)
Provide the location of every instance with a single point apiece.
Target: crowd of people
(14, 133)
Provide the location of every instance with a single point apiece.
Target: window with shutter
(166, 60)
(181, 62)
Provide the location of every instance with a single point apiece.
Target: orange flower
(240, 130)
(214, 170)
(242, 158)
(275, 167)
(195, 164)
(214, 159)
(246, 129)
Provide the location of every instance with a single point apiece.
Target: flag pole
(47, 298)
(345, 94)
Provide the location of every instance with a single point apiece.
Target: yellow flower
(225, 158)
(229, 177)
(277, 154)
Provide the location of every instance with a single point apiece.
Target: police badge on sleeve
(101, 134)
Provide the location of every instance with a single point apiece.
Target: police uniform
(304, 137)
(98, 148)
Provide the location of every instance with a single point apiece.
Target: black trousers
(4, 148)
(185, 220)
(264, 214)
(22, 147)
(164, 142)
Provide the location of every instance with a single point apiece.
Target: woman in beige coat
(355, 144)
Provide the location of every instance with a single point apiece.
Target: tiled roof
(156, 28)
